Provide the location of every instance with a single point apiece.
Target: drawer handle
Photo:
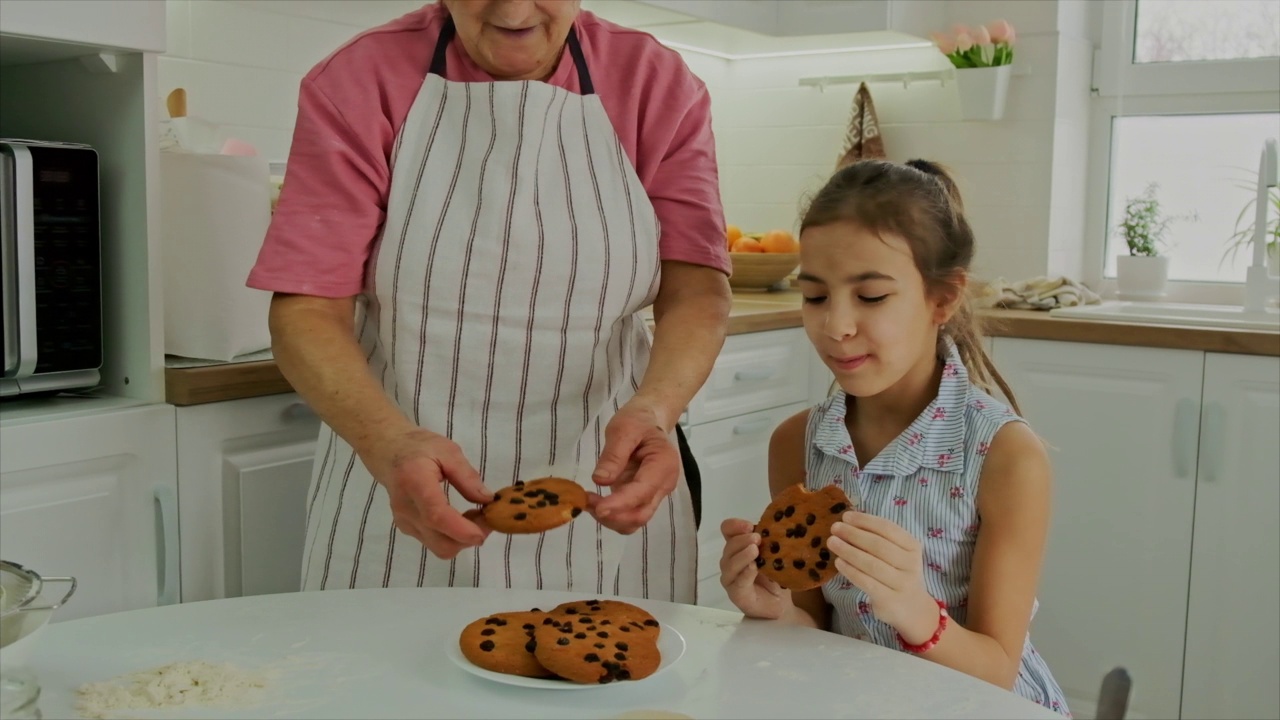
(753, 427)
(754, 375)
(167, 558)
(299, 411)
(1185, 430)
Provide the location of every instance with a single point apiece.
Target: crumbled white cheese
(181, 684)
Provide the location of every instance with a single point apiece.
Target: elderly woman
(482, 197)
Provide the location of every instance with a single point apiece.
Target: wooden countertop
(761, 311)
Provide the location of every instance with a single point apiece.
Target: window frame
(1123, 88)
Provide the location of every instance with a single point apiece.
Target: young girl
(943, 554)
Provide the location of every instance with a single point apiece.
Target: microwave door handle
(25, 230)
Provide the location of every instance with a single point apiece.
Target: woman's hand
(413, 466)
(754, 594)
(885, 562)
(639, 462)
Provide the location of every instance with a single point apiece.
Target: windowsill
(1181, 291)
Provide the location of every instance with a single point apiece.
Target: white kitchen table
(382, 654)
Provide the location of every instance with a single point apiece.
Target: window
(1186, 93)
(1190, 30)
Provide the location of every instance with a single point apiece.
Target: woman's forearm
(690, 319)
(314, 344)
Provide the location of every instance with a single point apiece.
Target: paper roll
(215, 210)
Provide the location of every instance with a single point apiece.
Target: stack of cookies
(586, 641)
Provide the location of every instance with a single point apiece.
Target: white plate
(670, 644)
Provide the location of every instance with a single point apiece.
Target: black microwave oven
(50, 267)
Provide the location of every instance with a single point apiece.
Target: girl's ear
(948, 296)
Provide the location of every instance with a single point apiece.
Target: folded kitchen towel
(1038, 293)
(863, 138)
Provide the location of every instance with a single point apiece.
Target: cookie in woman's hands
(793, 536)
(504, 643)
(535, 506)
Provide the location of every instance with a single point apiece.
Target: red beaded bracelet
(937, 634)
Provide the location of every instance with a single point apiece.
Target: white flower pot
(1141, 278)
(983, 91)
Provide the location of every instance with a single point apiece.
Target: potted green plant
(983, 58)
(1243, 237)
(1143, 273)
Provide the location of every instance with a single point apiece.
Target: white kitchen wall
(1022, 177)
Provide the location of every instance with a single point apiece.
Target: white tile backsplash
(241, 62)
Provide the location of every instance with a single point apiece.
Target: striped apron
(501, 311)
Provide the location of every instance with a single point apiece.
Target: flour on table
(182, 684)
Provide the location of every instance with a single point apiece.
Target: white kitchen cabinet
(93, 496)
(1121, 424)
(754, 371)
(733, 457)
(244, 467)
(813, 17)
(1233, 622)
(137, 25)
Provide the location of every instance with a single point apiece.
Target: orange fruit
(779, 241)
(746, 245)
(732, 232)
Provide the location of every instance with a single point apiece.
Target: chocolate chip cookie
(592, 649)
(793, 536)
(535, 506)
(626, 616)
(504, 642)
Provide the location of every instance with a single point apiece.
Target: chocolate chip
(549, 621)
(591, 657)
(521, 516)
(533, 493)
(620, 656)
(774, 547)
(622, 646)
(562, 641)
(800, 531)
(778, 564)
(598, 646)
(550, 496)
(591, 628)
(764, 533)
(651, 623)
(492, 621)
(759, 562)
(791, 510)
(488, 631)
(531, 646)
(777, 517)
(516, 501)
(535, 610)
(540, 504)
(821, 564)
(624, 628)
(499, 622)
(584, 620)
(798, 563)
(824, 553)
(566, 628)
(810, 519)
(814, 574)
(518, 484)
(603, 634)
(816, 542)
(838, 508)
(570, 611)
(487, 646)
(790, 532)
(576, 512)
(624, 674)
(497, 496)
(580, 636)
(606, 622)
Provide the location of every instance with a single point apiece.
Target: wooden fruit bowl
(760, 271)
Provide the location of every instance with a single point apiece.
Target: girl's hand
(885, 562)
(754, 594)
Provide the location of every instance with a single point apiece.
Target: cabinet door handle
(1184, 437)
(167, 555)
(298, 411)
(755, 375)
(752, 427)
(1214, 437)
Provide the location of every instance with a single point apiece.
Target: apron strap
(448, 31)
